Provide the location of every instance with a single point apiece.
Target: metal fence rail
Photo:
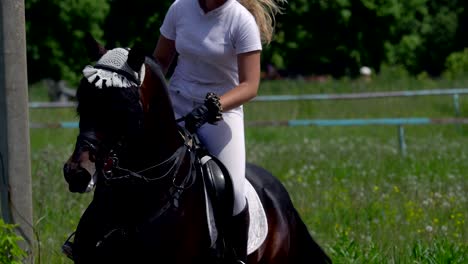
(313, 122)
(454, 92)
(399, 122)
(345, 96)
(361, 122)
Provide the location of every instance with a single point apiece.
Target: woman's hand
(209, 112)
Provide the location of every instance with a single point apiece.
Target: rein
(175, 161)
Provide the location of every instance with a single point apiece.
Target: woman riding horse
(219, 44)
(150, 201)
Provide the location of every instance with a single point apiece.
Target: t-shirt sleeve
(168, 28)
(248, 36)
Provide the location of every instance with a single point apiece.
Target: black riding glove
(209, 112)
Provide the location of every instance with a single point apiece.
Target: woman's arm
(249, 79)
(164, 52)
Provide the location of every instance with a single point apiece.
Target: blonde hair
(264, 12)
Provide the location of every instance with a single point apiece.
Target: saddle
(219, 202)
(218, 188)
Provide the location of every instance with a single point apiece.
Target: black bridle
(112, 171)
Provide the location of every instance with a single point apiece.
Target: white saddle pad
(258, 228)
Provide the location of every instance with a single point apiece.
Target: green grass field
(362, 201)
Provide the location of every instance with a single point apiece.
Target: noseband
(89, 141)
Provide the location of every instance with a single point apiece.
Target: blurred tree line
(313, 37)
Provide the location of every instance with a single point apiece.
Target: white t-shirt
(208, 44)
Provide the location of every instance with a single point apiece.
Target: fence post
(401, 140)
(456, 105)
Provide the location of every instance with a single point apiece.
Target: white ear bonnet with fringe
(110, 71)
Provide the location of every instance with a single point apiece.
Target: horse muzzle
(79, 179)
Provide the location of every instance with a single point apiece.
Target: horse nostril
(67, 171)
(77, 178)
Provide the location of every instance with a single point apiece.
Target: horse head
(124, 109)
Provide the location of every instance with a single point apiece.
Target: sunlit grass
(366, 202)
(56, 211)
(361, 199)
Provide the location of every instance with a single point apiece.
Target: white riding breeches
(225, 140)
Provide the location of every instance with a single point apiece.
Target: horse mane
(156, 76)
(155, 67)
(157, 103)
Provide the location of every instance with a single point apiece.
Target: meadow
(362, 200)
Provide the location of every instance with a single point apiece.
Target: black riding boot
(237, 234)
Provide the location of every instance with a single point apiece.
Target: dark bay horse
(149, 203)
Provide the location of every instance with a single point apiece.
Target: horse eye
(92, 156)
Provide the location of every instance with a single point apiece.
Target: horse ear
(136, 57)
(94, 49)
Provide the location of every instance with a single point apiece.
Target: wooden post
(15, 171)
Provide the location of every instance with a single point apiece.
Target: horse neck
(162, 133)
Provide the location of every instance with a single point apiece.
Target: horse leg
(96, 241)
(304, 249)
(86, 237)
